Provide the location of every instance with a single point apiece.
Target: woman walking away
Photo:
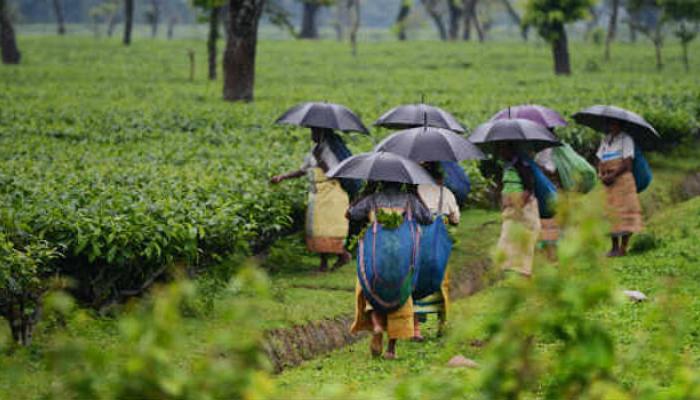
(549, 235)
(388, 203)
(616, 155)
(442, 203)
(326, 226)
(521, 219)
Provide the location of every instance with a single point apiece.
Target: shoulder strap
(442, 189)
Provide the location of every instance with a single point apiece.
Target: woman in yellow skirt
(520, 227)
(399, 323)
(326, 226)
(615, 155)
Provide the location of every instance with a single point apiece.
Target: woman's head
(505, 150)
(435, 170)
(317, 134)
(614, 127)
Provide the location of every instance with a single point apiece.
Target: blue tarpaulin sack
(386, 264)
(341, 151)
(456, 180)
(641, 170)
(545, 191)
(434, 253)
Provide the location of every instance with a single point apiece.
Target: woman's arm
(291, 175)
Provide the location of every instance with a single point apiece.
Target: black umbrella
(415, 115)
(599, 118)
(514, 130)
(381, 166)
(430, 144)
(323, 115)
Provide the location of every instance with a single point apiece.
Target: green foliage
(233, 365)
(389, 219)
(550, 16)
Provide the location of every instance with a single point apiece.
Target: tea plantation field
(115, 167)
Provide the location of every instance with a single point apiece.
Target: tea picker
(326, 226)
(621, 167)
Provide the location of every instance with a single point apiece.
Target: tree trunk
(455, 16)
(686, 59)
(339, 24)
(475, 19)
(111, 24)
(239, 57)
(436, 17)
(467, 10)
(155, 4)
(214, 14)
(8, 43)
(633, 33)
(659, 58)
(128, 20)
(404, 11)
(58, 10)
(309, 29)
(172, 21)
(354, 8)
(560, 52)
(516, 18)
(612, 28)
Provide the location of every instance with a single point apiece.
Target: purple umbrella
(533, 112)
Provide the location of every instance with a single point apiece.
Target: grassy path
(666, 261)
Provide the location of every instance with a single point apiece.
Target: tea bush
(113, 158)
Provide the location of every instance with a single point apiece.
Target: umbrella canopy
(514, 130)
(430, 144)
(415, 115)
(381, 166)
(323, 115)
(533, 112)
(599, 117)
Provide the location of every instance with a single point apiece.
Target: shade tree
(550, 17)
(8, 42)
(241, 46)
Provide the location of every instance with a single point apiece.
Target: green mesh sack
(575, 173)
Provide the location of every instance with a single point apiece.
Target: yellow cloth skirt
(397, 324)
(437, 302)
(326, 225)
(623, 207)
(519, 233)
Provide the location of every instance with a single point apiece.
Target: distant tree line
(453, 20)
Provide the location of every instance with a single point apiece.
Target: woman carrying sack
(520, 228)
(442, 203)
(616, 156)
(371, 313)
(326, 226)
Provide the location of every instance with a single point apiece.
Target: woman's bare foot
(417, 337)
(615, 253)
(377, 325)
(342, 260)
(390, 353)
(375, 345)
(324, 263)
